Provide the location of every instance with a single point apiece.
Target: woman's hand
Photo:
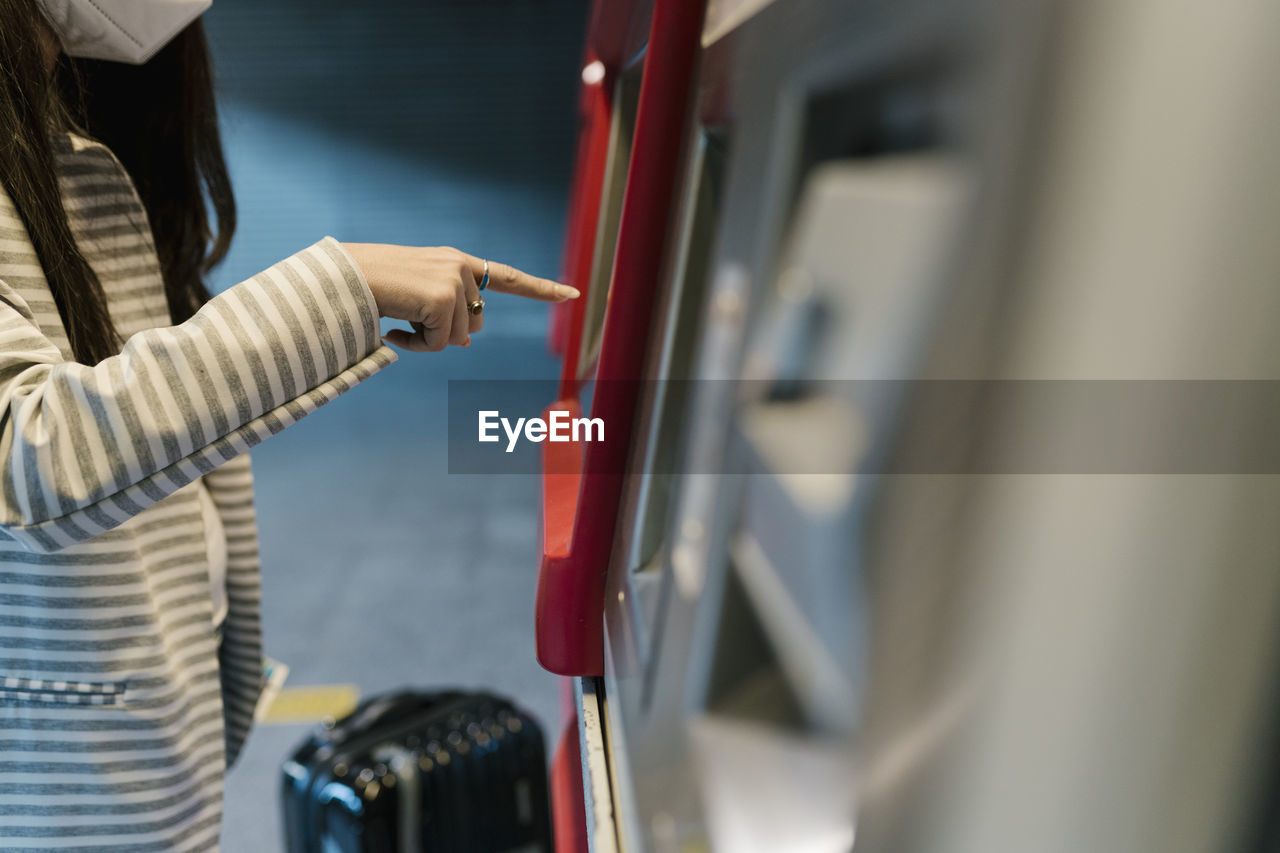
(432, 287)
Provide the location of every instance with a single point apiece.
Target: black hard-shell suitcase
(411, 771)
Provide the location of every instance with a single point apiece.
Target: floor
(381, 569)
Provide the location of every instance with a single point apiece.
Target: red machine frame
(582, 483)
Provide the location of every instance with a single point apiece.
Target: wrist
(362, 261)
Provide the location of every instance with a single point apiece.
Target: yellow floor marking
(311, 704)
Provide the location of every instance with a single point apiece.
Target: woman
(129, 632)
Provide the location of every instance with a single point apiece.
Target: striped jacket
(119, 707)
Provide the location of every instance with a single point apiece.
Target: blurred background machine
(829, 606)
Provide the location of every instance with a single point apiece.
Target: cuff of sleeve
(333, 244)
(356, 291)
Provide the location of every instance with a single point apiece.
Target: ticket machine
(834, 594)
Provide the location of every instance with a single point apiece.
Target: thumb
(405, 339)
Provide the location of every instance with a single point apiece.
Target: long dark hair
(160, 120)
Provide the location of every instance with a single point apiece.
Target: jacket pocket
(44, 691)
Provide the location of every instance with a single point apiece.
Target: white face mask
(120, 30)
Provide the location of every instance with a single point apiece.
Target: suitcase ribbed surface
(407, 772)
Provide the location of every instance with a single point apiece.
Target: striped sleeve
(83, 449)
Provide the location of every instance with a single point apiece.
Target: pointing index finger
(504, 278)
